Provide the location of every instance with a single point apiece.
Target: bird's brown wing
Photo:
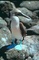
(23, 29)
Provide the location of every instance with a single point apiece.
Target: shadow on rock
(4, 49)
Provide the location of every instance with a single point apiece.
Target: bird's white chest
(16, 33)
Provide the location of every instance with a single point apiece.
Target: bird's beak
(24, 15)
(18, 12)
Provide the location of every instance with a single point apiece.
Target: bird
(17, 28)
(13, 11)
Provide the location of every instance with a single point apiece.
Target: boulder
(29, 49)
(36, 56)
(5, 37)
(6, 9)
(34, 29)
(2, 22)
(31, 5)
(7, 20)
(36, 12)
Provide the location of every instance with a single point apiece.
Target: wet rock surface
(30, 44)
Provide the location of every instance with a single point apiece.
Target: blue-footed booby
(17, 28)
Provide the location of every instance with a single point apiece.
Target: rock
(29, 58)
(37, 22)
(34, 29)
(27, 53)
(5, 37)
(2, 22)
(32, 40)
(31, 5)
(32, 43)
(1, 58)
(6, 9)
(17, 54)
(36, 56)
(36, 12)
(8, 21)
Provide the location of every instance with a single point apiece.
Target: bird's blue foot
(12, 45)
